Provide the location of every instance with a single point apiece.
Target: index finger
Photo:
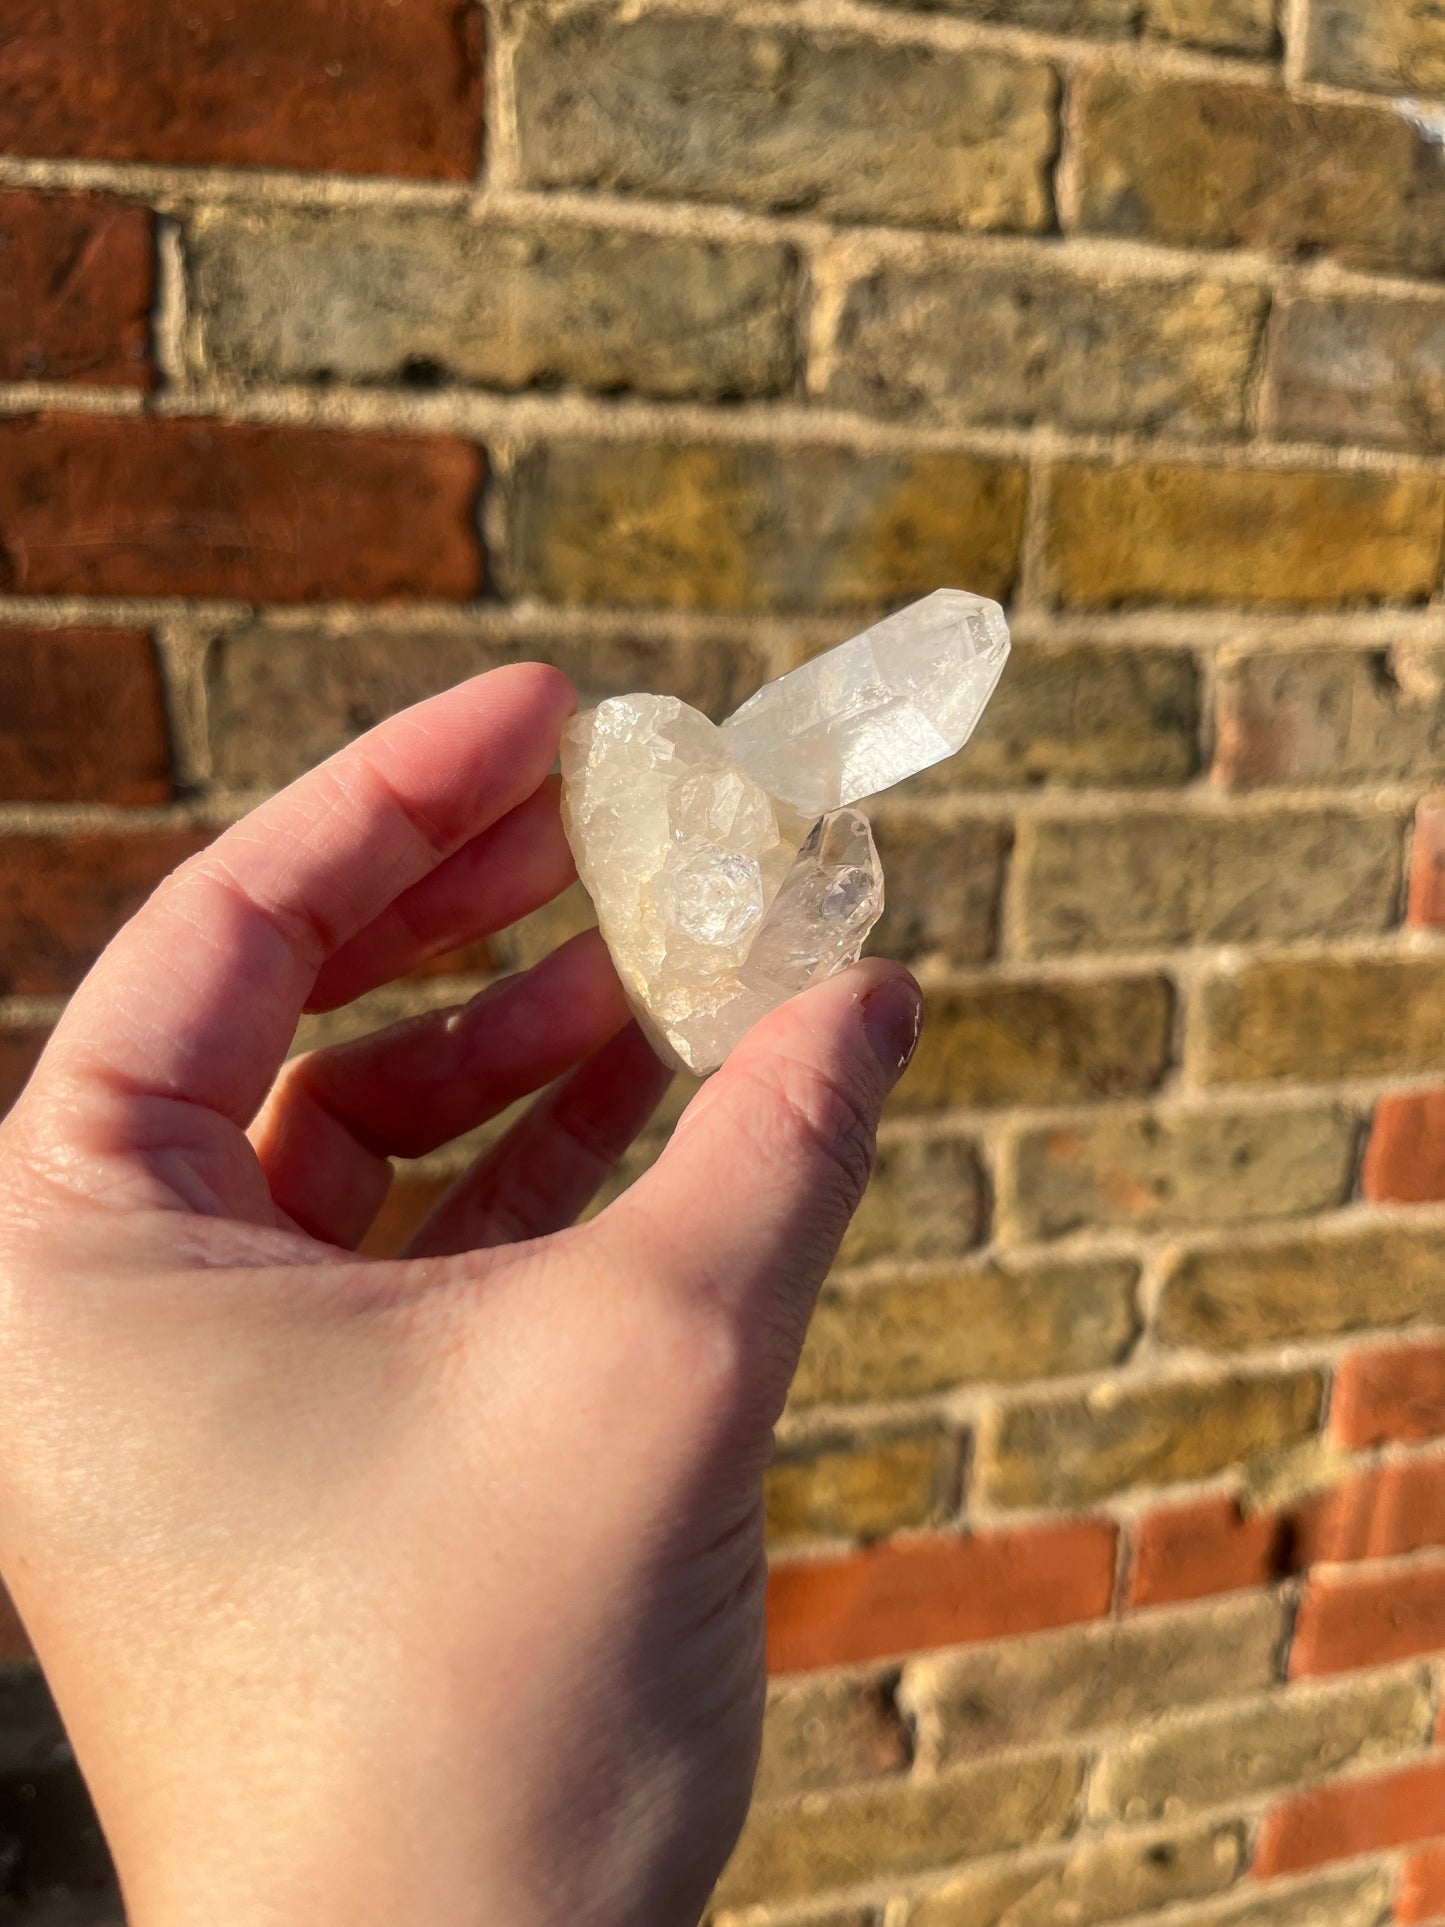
(198, 996)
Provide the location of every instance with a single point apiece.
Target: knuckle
(831, 1121)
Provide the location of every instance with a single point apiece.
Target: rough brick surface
(1163, 532)
(774, 118)
(1421, 1893)
(1357, 371)
(937, 1592)
(371, 89)
(368, 296)
(1285, 1738)
(1427, 864)
(1296, 1286)
(756, 528)
(1049, 1042)
(1389, 1392)
(1044, 343)
(62, 898)
(280, 701)
(852, 1488)
(943, 888)
(103, 505)
(1157, 878)
(1196, 163)
(77, 287)
(82, 717)
(924, 1200)
(1394, 46)
(1354, 1899)
(1122, 1673)
(19, 1053)
(826, 1731)
(1320, 1018)
(1160, 1168)
(1352, 1817)
(1001, 1321)
(1080, 716)
(899, 1826)
(1322, 716)
(1350, 1619)
(1236, 26)
(1405, 1158)
(1074, 1451)
(1102, 1880)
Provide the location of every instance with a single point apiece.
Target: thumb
(748, 1204)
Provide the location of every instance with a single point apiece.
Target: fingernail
(892, 1019)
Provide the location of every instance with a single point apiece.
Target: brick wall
(348, 351)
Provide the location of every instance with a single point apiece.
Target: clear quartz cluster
(726, 862)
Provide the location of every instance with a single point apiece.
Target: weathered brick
(1003, 1320)
(899, 1826)
(860, 1488)
(1320, 716)
(925, 1200)
(371, 89)
(1368, 1617)
(944, 885)
(1209, 1545)
(62, 898)
(1163, 532)
(1159, 877)
(367, 295)
(695, 525)
(1052, 1041)
(1352, 1817)
(19, 1054)
(82, 717)
(1196, 163)
(1347, 370)
(1405, 1158)
(1118, 1436)
(281, 700)
(944, 1591)
(840, 1916)
(828, 1731)
(841, 125)
(1421, 1893)
(1393, 46)
(1296, 1287)
(77, 287)
(1320, 1018)
(1344, 1900)
(1283, 1738)
(1101, 1881)
(1427, 864)
(1236, 26)
(1390, 1392)
(1043, 342)
(1156, 1168)
(106, 505)
(1078, 715)
(1121, 1673)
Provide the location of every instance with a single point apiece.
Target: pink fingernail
(892, 1020)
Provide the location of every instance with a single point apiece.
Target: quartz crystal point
(726, 863)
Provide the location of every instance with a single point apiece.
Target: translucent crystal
(726, 866)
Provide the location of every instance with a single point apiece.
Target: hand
(427, 1589)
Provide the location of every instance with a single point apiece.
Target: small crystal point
(727, 865)
(880, 707)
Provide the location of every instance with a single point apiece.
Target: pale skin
(425, 1589)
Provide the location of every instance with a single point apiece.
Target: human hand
(427, 1588)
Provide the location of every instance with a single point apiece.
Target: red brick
(1369, 1617)
(19, 1053)
(901, 1597)
(1348, 1817)
(105, 505)
(1420, 1895)
(76, 285)
(1405, 1156)
(62, 898)
(368, 88)
(1392, 1392)
(1208, 1545)
(1427, 864)
(82, 717)
(14, 1645)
